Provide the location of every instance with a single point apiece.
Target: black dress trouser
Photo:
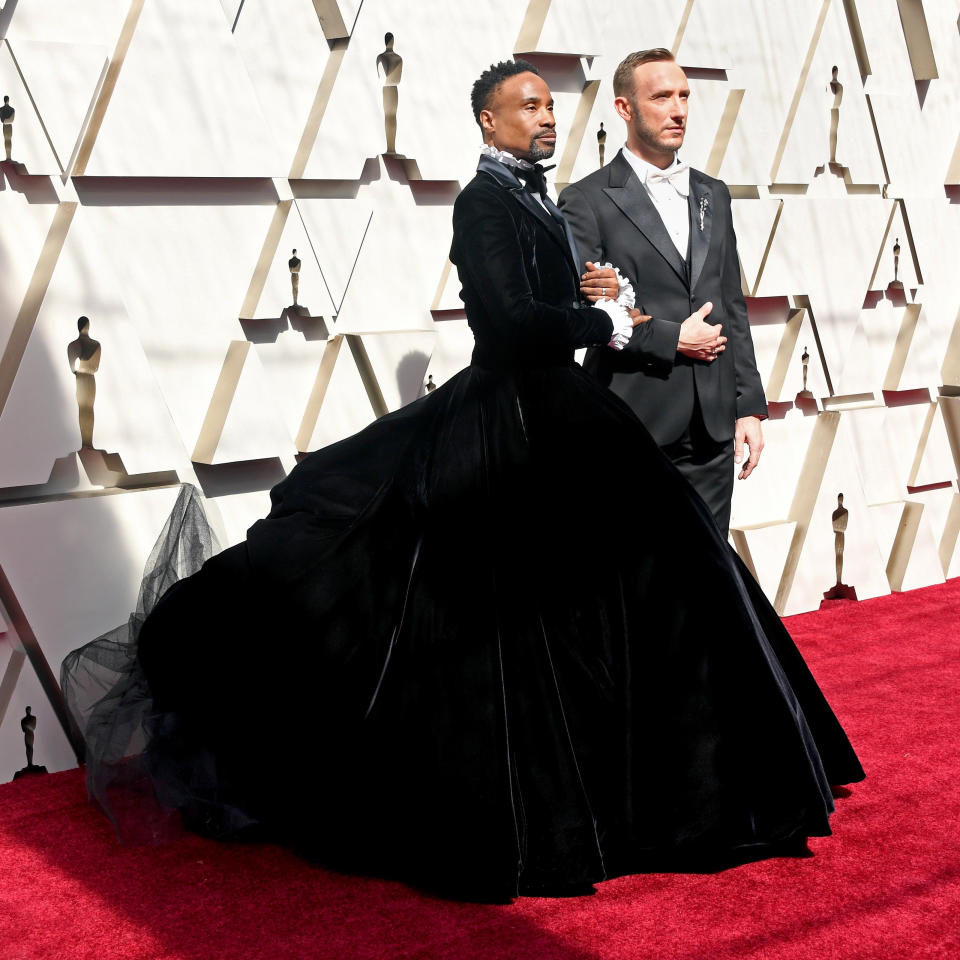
(707, 465)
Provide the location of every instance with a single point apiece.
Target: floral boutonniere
(704, 206)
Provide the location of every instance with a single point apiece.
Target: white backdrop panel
(184, 109)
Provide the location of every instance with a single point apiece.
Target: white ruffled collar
(504, 157)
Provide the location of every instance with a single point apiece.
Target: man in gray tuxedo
(668, 228)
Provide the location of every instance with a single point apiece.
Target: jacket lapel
(630, 195)
(571, 240)
(701, 211)
(561, 235)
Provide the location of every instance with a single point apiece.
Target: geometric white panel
(75, 565)
(239, 511)
(767, 547)
(285, 53)
(277, 293)
(353, 125)
(563, 30)
(231, 10)
(391, 265)
(808, 144)
(336, 230)
(66, 21)
(39, 424)
(290, 366)
(400, 362)
(253, 428)
(183, 272)
(893, 264)
(826, 250)
(942, 507)
(863, 565)
(786, 349)
(24, 229)
(753, 221)
(906, 538)
(936, 243)
(63, 79)
(882, 476)
(346, 405)
(30, 146)
(184, 109)
(935, 462)
(918, 140)
(763, 56)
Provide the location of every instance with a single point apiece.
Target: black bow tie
(534, 178)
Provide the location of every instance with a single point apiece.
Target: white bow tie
(678, 176)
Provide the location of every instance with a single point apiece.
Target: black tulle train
(492, 643)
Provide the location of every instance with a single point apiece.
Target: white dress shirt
(668, 189)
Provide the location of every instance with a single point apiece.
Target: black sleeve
(488, 254)
(654, 342)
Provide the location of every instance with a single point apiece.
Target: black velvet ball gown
(492, 644)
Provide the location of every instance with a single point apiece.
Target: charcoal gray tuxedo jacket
(613, 219)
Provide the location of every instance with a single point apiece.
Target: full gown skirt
(492, 644)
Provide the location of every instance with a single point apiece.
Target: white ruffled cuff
(622, 324)
(625, 295)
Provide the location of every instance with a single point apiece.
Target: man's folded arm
(655, 340)
(491, 256)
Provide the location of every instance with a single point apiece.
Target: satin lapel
(701, 202)
(633, 200)
(559, 234)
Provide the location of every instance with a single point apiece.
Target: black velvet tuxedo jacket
(613, 219)
(519, 275)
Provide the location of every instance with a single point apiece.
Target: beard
(538, 152)
(650, 136)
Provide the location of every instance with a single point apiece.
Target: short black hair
(489, 80)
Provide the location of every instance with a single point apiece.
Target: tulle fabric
(492, 643)
(107, 693)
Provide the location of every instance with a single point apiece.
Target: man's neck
(516, 154)
(511, 159)
(654, 158)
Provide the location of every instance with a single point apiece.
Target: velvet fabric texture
(493, 644)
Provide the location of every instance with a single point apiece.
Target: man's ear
(487, 124)
(624, 107)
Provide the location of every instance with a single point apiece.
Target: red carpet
(886, 885)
